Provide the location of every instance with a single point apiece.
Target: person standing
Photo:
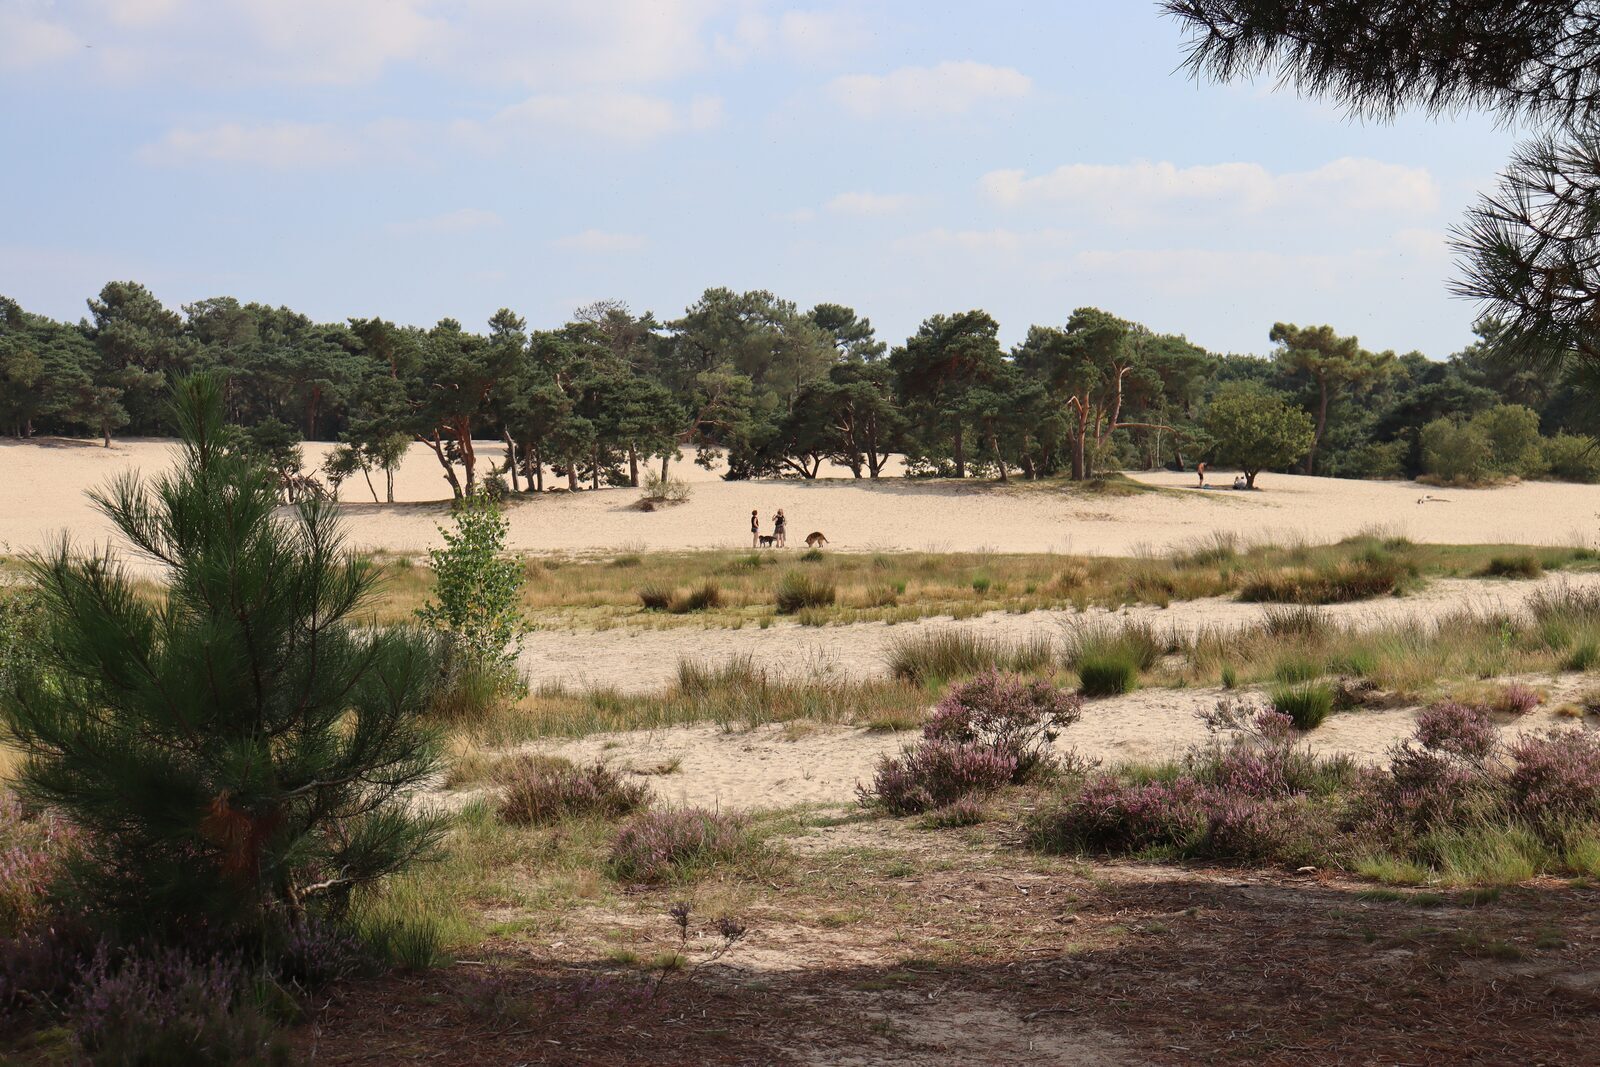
(755, 530)
(778, 529)
(1200, 469)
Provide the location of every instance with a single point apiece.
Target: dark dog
(768, 540)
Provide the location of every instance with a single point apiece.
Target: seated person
(1241, 482)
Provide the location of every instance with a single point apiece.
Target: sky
(417, 159)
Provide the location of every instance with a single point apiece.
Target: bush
(655, 598)
(798, 590)
(811, 555)
(477, 593)
(1018, 718)
(243, 745)
(1572, 457)
(964, 812)
(675, 845)
(1556, 777)
(34, 852)
(668, 490)
(1108, 673)
(1109, 815)
(1523, 565)
(934, 774)
(166, 1008)
(707, 596)
(1306, 705)
(1456, 453)
(938, 655)
(1373, 575)
(540, 790)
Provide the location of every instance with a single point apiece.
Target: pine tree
(239, 746)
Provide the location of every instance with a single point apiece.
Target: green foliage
(1456, 453)
(799, 590)
(1255, 431)
(478, 590)
(1307, 703)
(1572, 457)
(238, 750)
(1107, 673)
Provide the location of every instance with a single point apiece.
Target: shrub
(1456, 453)
(1572, 457)
(1514, 698)
(1294, 669)
(477, 593)
(1458, 730)
(1555, 776)
(1363, 578)
(880, 595)
(1296, 621)
(707, 596)
(164, 1007)
(941, 654)
(242, 746)
(933, 774)
(1523, 565)
(675, 845)
(540, 790)
(655, 598)
(1585, 656)
(981, 583)
(1108, 815)
(1108, 673)
(668, 490)
(798, 590)
(1018, 718)
(1306, 704)
(34, 852)
(811, 555)
(964, 812)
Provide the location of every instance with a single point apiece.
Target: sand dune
(43, 484)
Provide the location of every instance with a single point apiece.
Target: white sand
(43, 484)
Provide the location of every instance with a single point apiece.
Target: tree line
(752, 381)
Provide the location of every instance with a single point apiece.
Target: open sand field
(44, 480)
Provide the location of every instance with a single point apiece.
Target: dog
(768, 540)
(814, 539)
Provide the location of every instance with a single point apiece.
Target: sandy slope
(43, 483)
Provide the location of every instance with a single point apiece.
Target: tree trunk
(1322, 425)
(961, 453)
(594, 469)
(105, 433)
(511, 461)
(538, 470)
(437, 445)
(665, 459)
(389, 483)
(572, 475)
(366, 472)
(994, 446)
(633, 464)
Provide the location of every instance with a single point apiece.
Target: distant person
(778, 528)
(1241, 482)
(1200, 470)
(755, 530)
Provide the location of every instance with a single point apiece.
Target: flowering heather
(1556, 776)
(933, 774)
(663, 845)
(32, 852)
(1013, 717)
(1109, 815)
(1459, 730)
(539, 790)
(1515, 699)
(166, 1007)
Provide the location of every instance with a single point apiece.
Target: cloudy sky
(422, 158)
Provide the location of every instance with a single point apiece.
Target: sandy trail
(639, 661)
(43, 483)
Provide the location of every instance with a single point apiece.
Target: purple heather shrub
(167, 1007)
(33, 851)
(1243, 827)
(1516, 699)
(663, 845)
(1458, 730)
(315, 954)
(1555, 776)
(936, 773)
(1014, 717)
(1113, 816)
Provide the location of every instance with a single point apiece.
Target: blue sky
(422, 158)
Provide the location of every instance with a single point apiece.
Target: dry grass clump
(940, 655)
(1372, 575)
(540, 789)
(799, 590)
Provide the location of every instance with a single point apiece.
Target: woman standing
(755, 530)
(778, 528)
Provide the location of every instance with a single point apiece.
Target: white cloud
(285, 145)
(29, 41)
(951, 88)
(462, 220)
(600, 242)
(870, 203)
(626, 117)
(1149, 192)
(822, 33)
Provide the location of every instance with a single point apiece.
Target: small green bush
(1522, 565)
(798, 590)
(707, 596)
(655, 597)
(811, 555)
(1107, 673)
(1308, 703)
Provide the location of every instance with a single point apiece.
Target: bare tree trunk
(633, 465)
(511, 461)
(961, 453)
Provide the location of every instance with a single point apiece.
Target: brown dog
(815, 539)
